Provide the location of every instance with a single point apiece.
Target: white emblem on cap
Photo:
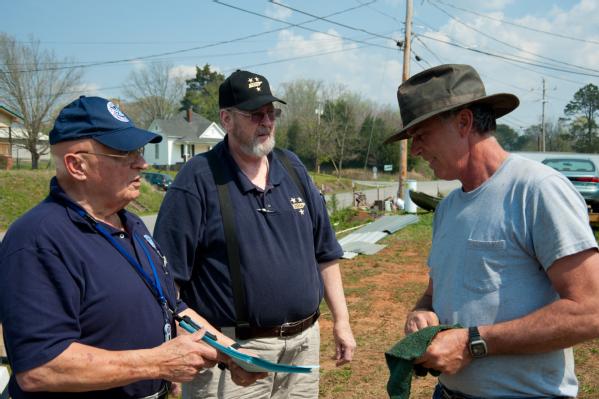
(116, 112)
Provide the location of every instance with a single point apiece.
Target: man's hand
(180, 359)
(345, 344)
(238, 374)
(419, 319)
(448, 352)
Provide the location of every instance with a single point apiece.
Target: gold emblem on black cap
(254, 82)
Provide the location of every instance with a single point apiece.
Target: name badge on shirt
(167, 332)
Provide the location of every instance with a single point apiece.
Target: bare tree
(155, 91)
(33, 82)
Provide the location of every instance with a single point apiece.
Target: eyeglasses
(130, 156)
(258, 116)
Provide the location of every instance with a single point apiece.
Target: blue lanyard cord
(154, 285)
(156, 278)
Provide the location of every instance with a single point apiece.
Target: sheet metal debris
(363, 240)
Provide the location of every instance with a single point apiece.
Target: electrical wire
(139, 58)
(519, 25)
(506, 43)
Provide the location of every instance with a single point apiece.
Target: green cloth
(401, 356)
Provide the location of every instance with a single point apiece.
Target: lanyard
(153, 284)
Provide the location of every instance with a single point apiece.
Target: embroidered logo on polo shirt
(298, 204)
(254, 82)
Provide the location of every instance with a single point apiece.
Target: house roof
(178, 126)
(4, 108)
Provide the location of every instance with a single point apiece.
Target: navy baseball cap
(102, 120)
(246, 91)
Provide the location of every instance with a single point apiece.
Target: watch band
(473, 334)
(476, 345)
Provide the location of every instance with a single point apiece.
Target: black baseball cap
(102, 120)
(245, 90)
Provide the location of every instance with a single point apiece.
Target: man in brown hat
(513, 259)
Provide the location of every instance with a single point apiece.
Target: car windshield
(570, 165)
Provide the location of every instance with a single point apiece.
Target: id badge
(167, 332)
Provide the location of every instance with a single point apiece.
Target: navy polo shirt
(282, 238)
(62, 282)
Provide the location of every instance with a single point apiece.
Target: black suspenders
(222, 176)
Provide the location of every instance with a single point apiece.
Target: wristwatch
(476, 345)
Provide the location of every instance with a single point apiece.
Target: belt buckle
(283, 327)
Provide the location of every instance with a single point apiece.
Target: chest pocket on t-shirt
(483, 265)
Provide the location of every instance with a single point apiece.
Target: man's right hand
(180, 359)
(419, 319)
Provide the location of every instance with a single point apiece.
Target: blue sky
(357, 52)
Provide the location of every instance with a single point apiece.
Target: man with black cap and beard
(513, 260)
(252, 248)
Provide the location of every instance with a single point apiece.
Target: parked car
(160, 180)
(583, 174)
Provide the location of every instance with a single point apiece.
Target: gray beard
(259, 150)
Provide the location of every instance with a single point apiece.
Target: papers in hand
(245, 361)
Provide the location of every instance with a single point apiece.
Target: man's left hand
(447, 352)
(345, 344)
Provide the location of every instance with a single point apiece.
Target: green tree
(202, 93)
(507, 137)
(585, 104)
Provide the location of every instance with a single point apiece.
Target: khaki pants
(300, 349)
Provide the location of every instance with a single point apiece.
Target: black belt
(284, 330)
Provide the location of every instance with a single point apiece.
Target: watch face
(478, 349)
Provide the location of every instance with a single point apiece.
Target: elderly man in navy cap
(86, 299)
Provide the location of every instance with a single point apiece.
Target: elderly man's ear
(75, 166)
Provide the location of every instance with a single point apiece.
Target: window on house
(182, 151)
(157, 150)
(193, 150)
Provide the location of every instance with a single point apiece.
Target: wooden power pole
(403, 149)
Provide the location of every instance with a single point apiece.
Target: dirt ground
(380, 290)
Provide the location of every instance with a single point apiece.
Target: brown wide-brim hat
(443, 88)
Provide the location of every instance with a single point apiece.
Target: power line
(302, 27)
(119, 61)
(518, 25)
(429, 50)
(508, 44)
(512, 58)
(301, 57)
(332, 22)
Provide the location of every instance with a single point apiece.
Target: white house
(183, 136)
(13, 137)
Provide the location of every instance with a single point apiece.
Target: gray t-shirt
(491, 249)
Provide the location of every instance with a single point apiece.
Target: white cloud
(345, 63)
(525, 80)
(182, 71)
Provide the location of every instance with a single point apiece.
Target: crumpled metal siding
(363, 240)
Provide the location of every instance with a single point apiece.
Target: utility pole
(403, 149)
(542, 149)
(318, 111)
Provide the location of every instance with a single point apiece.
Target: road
(384, 190)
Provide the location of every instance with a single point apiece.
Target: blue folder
(248, 362)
